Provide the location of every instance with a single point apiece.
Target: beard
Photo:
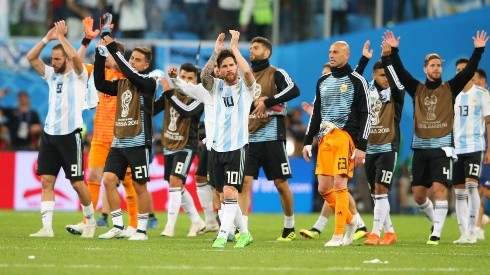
(61, 69)
(230, 77)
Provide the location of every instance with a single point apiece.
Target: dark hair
(264, 41)
(461, 61)
(120, 47)
(188, 67)
(60, 47)
(223, 55)
(145, 51)
(481, 72)
(377, 65)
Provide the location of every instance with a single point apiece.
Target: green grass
(68, 254)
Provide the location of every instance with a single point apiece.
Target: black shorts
(138, 158)
(485, 176)
(227, 168)
(467, 166)
(202, 165)
(431, 165)
(61, 151)
(271, 156)
(380, 169)
(178, 164)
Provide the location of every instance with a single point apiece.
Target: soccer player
(341, 117)
(386, 98)
(61, 141)
(471, 120)
(179, 139)
(432, 139)
(268, 133)
(132, 129)
(102, 137)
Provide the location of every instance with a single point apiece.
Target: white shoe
(138, 236)
(480, 234)
(210, 227)
(43, 233)
(463, 239)
(350, 231)
(472, 238)
(75, 229)
(113, 233)
(89, 230)
(485, 219)
(167, 232)
(337, 240)
(129, 232)
(196, 227)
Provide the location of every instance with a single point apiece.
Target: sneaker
(388, 238)
(310, 234)
(152, 223)
(337, 240)
(232, 237)
(219, 242)
(245, 239)
(43, 233)
(287, 235)
(433, 240)
(113, 233)
(373, 239)
(196, 227)
(463, 239)
(167, 232)
(480, 234)
(102, 222)
(138, 236)
(129, 232)
(361, 232)
(472, 238)
(210, 227)
(89, 230)
(350, 231)
(75, 229)
(484, 219)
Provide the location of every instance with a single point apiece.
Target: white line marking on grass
(241, 268)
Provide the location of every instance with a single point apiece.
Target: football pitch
(69, 254)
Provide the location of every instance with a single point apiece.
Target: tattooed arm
(206, 77)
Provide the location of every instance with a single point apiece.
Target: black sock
(151, 216)
(286, 231)
(104, 216)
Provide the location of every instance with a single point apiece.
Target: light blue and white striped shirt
(66, 100)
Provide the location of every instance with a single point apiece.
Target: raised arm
(90, 34)
(206, 74)
(77, 62)
(248, 75)
(102, 85)
(366, 56)
(33, 56)
(396, 87)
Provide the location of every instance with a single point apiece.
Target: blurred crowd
(299, 20)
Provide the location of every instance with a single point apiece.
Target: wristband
(86, 41)
(45, 40)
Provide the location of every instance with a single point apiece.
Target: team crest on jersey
(343, 88)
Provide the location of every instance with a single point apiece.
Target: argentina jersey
(470, 110)
(66, 99)
(266, 133)
(138, 140)
(336, 95)
(232, 108)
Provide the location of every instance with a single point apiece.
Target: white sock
(205, 195)
(462, 211)
(380, 210)
(142, 222)
(190, 207)
(428, 209)
(47, 209)
(88, 212)
(388, 225)
(473, 205)
(229, 212)
(117, 219)
(244, 218)
(174, 202)
(240, 221)
(361, 221)
(440, 213)
(289, 221)
(320, 223)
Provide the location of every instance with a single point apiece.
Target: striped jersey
(66, 99)
(470, 109)
(232, 108)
